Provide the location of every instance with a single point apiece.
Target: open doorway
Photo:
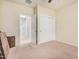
(25, 29)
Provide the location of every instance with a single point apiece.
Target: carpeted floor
(49, 50)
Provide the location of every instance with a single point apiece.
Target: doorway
(25, 29)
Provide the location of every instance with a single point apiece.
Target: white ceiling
(55, 4)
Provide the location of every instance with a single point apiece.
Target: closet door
(46, 28)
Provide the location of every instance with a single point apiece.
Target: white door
(46, 28)
(25, 29)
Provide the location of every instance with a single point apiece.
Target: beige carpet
(50, 50)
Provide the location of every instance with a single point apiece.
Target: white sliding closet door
(46, 28)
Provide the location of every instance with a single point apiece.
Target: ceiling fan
(49, 1)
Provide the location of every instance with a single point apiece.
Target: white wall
(66, 24)
(0, 12)
(10, 17)
(44, 10)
